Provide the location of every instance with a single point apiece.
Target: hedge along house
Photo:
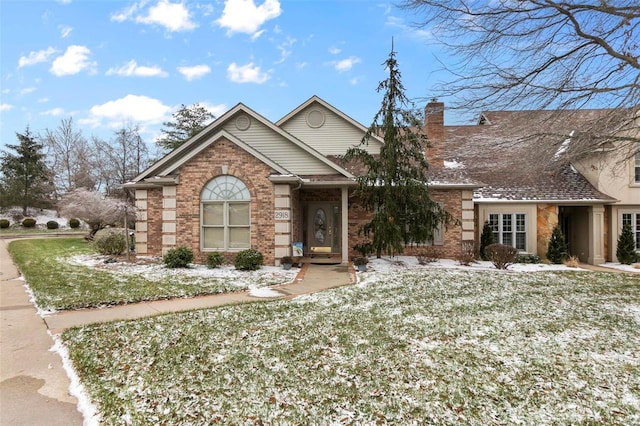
(530, 186)
(246, 182)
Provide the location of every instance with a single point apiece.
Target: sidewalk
(310, 279)
(33, 384)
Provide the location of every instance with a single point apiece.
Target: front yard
(64, 273)
(410, 346)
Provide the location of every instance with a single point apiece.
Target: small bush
(467, 253)
(572, 262)
(4, 223)
(52, 224)
(248, 260)
(179, 257)
(427, 255)
(74, 223)
(29, 222)
(501, 255)
(214, 260)
(626, 251)
(528, 258)
(486, 239)
(110, 241)
(557, 250)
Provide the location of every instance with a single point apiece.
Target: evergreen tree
(557, 250)
(187, 122)
(486, 238)
(26, 179)
(626, 251)
(394, 186)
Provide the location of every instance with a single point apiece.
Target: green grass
(58, 284)
(429, 347)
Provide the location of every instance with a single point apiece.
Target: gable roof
(517, 154)
(171, 162)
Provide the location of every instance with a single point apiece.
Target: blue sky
(106, 63)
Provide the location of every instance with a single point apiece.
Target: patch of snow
(264, 292)
(621, 267)
(564, 146)
(454, 164)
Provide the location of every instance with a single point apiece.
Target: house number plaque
(282, 214)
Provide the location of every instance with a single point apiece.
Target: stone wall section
(169, 216)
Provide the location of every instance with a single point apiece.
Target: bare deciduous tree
(69, 156)
(544, 54)
(122, 158)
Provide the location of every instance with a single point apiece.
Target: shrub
(178, 257)
(467, 253)
(29, 222)
(501, 255)
(74, 223)
(486, 239)
(626, 251)
(52, 224)
(248, 260)
(428, 254)
(110, 241)
(214, 260)
(528, 258)
(557, 250)
(572, 262)
(4, 223)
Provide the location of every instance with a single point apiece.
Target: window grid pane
(225, 214)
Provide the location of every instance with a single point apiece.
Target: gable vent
(243, 122)
(315, 118)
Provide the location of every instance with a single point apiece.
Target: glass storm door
(323, 228)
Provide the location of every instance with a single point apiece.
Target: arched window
(224, 213)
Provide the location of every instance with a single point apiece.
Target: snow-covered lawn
(63, 273)
(406, 345)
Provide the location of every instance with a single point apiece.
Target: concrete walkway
(34, 388)
(310, 279)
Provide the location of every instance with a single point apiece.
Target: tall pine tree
(187, 122)
(626, 251)
(393, 186)
(26, 179)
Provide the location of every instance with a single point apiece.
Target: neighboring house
(246, 182)
(529, 187)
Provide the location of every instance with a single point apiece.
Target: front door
(323, 228)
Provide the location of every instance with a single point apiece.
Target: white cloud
(246, 74)
(74, 60)
(5, 107)
(334, 50)
(131, 68)
(65, 31)
(36, 57)
(138, 109)
(243, 16)
(285, 49)
(43, 100)
(346, 64)
(27, 90)
(173, 16)
(302, 65)
(216, 110)
(194, 72)
(54, 112)
(418, 33)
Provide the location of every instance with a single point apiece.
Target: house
(246, 182)
(530, 187)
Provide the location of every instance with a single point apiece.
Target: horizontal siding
(279, 149)
(334, 137)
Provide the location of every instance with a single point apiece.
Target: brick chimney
(434, 128)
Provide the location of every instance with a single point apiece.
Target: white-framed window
(633, 219)
(437, 238)
(225, 214)
(637, 168)
(509, 229)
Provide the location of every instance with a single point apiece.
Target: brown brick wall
(154, 222)
(451, 248)
(193, 177)
(434, 128)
